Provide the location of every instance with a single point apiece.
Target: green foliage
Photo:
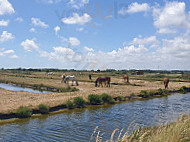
(132, 94)
(183, 89)
(95, 99)
(107, 98)
(162, 91)
(44, 109)
(69, 104)
(144, 94)
(79, 102)
(23, 112)
(151, 93)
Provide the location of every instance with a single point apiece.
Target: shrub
(69, 104)
(183, 89)
(43, 109)
(107, 98)
(162, 92)
(79, 102)
(23, 112)
(144, 94)
(95, 99)
(132, 95)
(151, 93)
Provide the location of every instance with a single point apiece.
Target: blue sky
(99, 34)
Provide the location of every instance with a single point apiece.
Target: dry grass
(11, 100)
(174, 132)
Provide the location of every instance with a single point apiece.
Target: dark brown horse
(99, 81)
(126, 78)
(166, 82)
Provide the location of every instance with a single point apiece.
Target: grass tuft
(23, 112)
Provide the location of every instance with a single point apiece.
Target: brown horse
(126, 78)
(166, 82)
(99, 81)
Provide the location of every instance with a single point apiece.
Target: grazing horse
(126, 78)
(99, 81)
(66, 79)
(50, 74)
(166, 82)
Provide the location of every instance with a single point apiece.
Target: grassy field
(11, 100)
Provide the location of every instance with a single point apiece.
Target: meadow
(11, 100)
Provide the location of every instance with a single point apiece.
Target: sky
(95, 34)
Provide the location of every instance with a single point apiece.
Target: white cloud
(14, 56)
(144, 41)
(9, 53)
(48, 1)
(73, 41)
(134, 8)
(32, 30)
(4, 23)
(29, 45)
(56, 29)
(88, 49)
(6, 7)
(78, 3)
(80, 29)
(76, 19)
(39, 23)
(19, 19)
(5, 36)
(171, 17)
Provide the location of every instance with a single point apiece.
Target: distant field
(11, 100)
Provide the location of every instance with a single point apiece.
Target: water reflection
(16, 88)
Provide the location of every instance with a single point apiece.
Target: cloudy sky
(98, 34)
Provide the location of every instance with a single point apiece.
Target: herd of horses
(102, 80)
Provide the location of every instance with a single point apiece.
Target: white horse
(50, 74)
(66, 79)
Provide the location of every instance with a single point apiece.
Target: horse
(126, 78)
(166, 82)
(99, 81)
(90, 77)
(50, 74)
(66, 79)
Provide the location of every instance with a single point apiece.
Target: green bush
(132, 95)
(69, 104)
(144, 93)
(183, 89)
(23, 112)
(162, 92)
(43, 109)
(79, 102)
(151, 93)
(107, 98)
(95, 99)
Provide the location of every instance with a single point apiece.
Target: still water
(78, 125)
(16, 88)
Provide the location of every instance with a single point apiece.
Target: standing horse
(66, 79)
(99, 81)
(126, 78)
(166, 82)
(50, 74)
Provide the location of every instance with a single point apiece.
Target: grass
(44, 109)
(69, 104)
(175, 132)
(79, 102)
(107, 98)
(95, 99)
(23, 112)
